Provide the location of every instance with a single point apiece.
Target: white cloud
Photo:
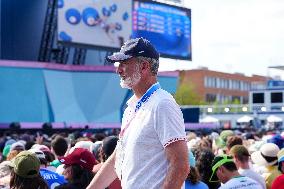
(236, 36)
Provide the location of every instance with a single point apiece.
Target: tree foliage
(186, 95)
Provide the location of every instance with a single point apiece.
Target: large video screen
(167, 27)
(99, 23)
(107, 24)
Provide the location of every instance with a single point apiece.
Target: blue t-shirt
(199, 185)
(53, 179)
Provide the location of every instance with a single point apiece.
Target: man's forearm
(177, 155)
(176, 176)
(105, 176)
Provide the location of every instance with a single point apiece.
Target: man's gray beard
(130, 81)
(123, 84)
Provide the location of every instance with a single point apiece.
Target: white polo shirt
(253, 175)
(156, 124)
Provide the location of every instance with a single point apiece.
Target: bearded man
(151, 152)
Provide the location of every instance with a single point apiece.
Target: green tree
(236, 102)
(186, 95)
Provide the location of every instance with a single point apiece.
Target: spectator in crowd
(10, 142)
(267, 156)
(225, 170)
(25, 173)
(280, 157)
(5, 172)
(6, 151)
(12, 154)
(20, 146)
(277, 139)
(151, 150)
(95, 149)
(220, 142)
(99, 136)
(29, 144)
(78, 167)
(15, 149)
(86, 144)
(204, 143)
(59, 146)
(107, 148)
(52, 178)
(241, 157)
(193, 179)
(205, 155)
(232, 141)
(278, 183)
(49, 156)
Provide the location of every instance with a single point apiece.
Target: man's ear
(145, 66)
(221, 168)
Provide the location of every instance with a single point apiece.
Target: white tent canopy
(273, 119)
(244, 119)
(209, 119)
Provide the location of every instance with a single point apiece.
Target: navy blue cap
(134, 48)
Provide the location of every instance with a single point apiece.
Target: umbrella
(244, 119)
(273, 118)
(209, 119)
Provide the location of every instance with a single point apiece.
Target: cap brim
(214, 177)
(116, 57)
(66, 161)
(257, 158)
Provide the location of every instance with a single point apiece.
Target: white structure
(274, 119)
(209, 119)
(266, 106)
(245, 119)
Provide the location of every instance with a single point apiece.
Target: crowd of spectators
(222, 159)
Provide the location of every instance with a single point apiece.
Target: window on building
(211, 82)
(211, 97)
(258, 85)
(236, 85)
(224, 83)
(206, 82)
(276, 97)
(245, 100)
(230, 84)
(245, 86)
(257, 98)
(227, 84)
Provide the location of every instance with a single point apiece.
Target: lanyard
(139, 104)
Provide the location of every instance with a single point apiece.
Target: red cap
(80, 156)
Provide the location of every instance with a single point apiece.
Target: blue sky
(245, 36)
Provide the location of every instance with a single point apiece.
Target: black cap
(134, 48)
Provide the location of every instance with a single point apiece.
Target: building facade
(213, 86)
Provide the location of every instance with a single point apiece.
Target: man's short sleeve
(169, 123)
